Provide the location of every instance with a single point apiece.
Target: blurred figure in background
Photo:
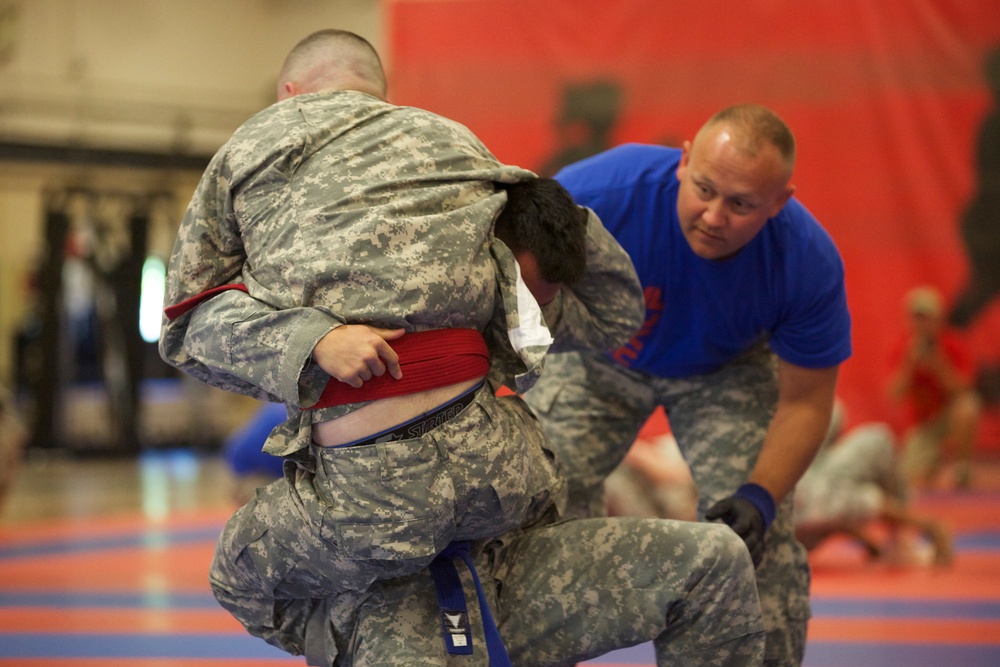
(653, 480)
(932, 379)
(854, 487)
(250, 465)
(13, 437)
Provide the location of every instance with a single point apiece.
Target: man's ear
(287, 89)
(685, 159)
(782, 200)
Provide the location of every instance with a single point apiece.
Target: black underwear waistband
(416, 427)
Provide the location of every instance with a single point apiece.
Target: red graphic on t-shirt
(629, 352)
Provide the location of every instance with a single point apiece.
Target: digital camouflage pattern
(848, 482)
(332, 208)
(565, 592)
(718, 419)
(336, 208)
(345, 517)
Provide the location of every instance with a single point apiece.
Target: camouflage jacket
(337, 208)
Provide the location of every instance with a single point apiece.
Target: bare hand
(354, 353)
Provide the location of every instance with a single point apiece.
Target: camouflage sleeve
(232, 340)
(604, 309)
(239, 343)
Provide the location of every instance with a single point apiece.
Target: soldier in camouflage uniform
(855, 482)
(746, 327)
(328, 229)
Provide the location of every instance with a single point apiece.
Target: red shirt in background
(926, 395)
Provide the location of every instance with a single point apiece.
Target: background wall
(128, 97)
(114, 100)
(177, 76)
(891, 102)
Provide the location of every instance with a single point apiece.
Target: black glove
(749, 512)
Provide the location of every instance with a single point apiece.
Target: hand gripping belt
(428, 359)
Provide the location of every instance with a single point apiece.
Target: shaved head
(755, 127)
(332, 60)
(734, 177)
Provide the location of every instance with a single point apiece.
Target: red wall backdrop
(888, 100)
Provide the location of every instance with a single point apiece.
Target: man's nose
(714, 215)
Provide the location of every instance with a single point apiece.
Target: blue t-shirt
(786, 284)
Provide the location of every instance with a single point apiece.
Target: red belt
(428, 359)
(178, 309)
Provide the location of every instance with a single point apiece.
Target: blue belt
(455, 614)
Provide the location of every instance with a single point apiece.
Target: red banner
(893, 104)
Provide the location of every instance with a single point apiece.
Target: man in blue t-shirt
(746, 326)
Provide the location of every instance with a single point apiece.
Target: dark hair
(541, 217)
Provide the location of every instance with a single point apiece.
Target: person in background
(652, 480)
(854, 488)
(243, 451)
(13, 439)
(339, 256)
(746, 327)
(932, 378)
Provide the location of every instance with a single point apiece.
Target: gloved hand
(749, 512)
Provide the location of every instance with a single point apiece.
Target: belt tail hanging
(451, 601)
(454, 613)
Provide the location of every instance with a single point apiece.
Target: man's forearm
(241, 344)
(798, 428)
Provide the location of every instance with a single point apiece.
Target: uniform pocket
(249, 557)
(502, 463)
(389, 540)
(387, 501)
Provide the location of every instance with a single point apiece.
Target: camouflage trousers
(561, 592)
(593, 409)
(849, 481)
(343, 518)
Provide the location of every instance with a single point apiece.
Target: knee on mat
(730, 547)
